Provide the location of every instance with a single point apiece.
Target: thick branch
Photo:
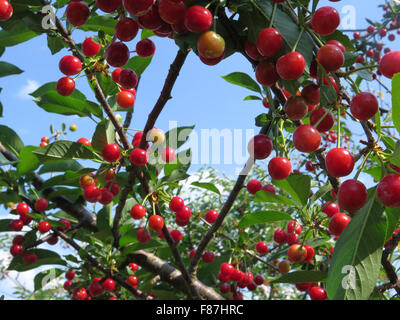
(387, 265)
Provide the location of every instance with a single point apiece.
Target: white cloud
(28, 88)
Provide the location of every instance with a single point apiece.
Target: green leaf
(7, 69)
(265, 196)
(261, 217)
(65, 150)
(342, 38)
(328, 95)
(206, 185)
(243, 80)
(302, 277)
(55, 44)
(5, 225)
(358, 252)
(45, 257)
(45, 277)
(152, 243)
(16, 33)
(103, 135)
(61, 166)
(138, 64)
(10, 140)
(146, 33)
(176, 137)
(248, 98)
(104, 222)
(27, 160)
(396, 101)
(104, 23)
(297, 185)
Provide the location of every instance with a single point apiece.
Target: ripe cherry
(65, 86)
(339, 162)
(138, 7)
(198, 19)
(311, 93)
(80, 293)
(389, 191)
(156, 223)
(6, 10)
(297, 253)
(22, 208)
(212, 61)
(364, 106)
(133, 266)
(84, 141)
(128, 79)
(18, 240)
(139, 157)
(106, 196)
(296, 108)
(66, 223)
(210, 45)
(108, 6)
(90, 48)
(303, 287)
(125, 99)
(252, 51)
(330, 209)
(260, 147)
(310, 253)
(95, 288)
(269, 42)
(16, 250)
(44, 227)
(266, 73)
(117, 54)
(184, 213)
(208, 257)
(172, 11)
(91, 193)
(338, 44)
(269, 188)
(111, 152)
(113, 186)
(211, 216)
(327, 122)
(338, 222)
(306, 138)
(70, 65)
(262, 248)
(16, 225)
(109, 284)
(26, 219)
(227, 269)
(77, 13)
(330, 57)
(29, 257)
(176, 204)
(151, 19)
(352, 195)
(145, 48)
(168, 154)
(279, 168)
(143, 235)
(390, 64)
(325, 20)
(253, 186)
(291, 66)
(126, 29)
(70, 274)
(280, 235)
(176, 235)
(138, 211)
(41, 205)
(53, 240)
(224, 288)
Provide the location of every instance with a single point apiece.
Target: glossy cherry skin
(108, 6)
(16, 250)
(306, 138)
(339, 162)
(296, 108)
(198, 19)
(338, 222)
(106, 196)
(139, 157)
(253, 186)
(269, 42)
(41, 205)
(262, 248)
(117, 54)
(297, 253)
(260, 147)
(184, 213)
(176, 204)
(317, 293)
(352, 195)
(109, 284)
(128, 78)
(390, 64)
(44, 227)
(280, 235)
(6, 10)
(330, 209)
(84, 141)
(156, 223)
(303, 287)
(171, 11)
(143, 235)
(111, 152)
(310, 252)
(269, 188)
(252, 51)
(16, 225)
(279, 168)
(151, 19)
(125, 99)
(145, 48)
(176, 235)
(22, 208)
(212, 61)
(90, 48)
(325, 20)
(77, 13)
(312, 94)
(18, 240)
(326, 123)
(211, 216)
(291, 66)
(29, 257)
(138, 7)
(70, 274)
(364, 106)
(330, 57)
(70, 65)
(65, 86)
(210, 45)
(168, 154)
(389, 191)
(208, 257)
(92, 194)
(266, 73)
(338, 44)
(126, 29)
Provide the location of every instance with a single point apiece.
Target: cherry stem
(362, 165)
(271, 23)
(339, 125)
(298, 39)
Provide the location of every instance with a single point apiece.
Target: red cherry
(390, 64)
(106, 196)
(67, 284)
(77, 13)
(84, 141)
(364, 106)
(113, 187)
(389, 191)
(330, 57)
(338, 222)
(259, 280)
(224, 288)
(18, 240)
(70, 274)
(151, 19)
(115, 75)
(29, 258)
(16, 250)
(252, 51)
(139, 157)
(208, 257)
(138, 211)
(95, 288)
(171, 11)
(138, 7)
(16, 225)
(125, 99)
(176, 235)
(253, 186)
(80, 293)
(279, 168)
(260, 147)
(143, 235)
(65, 86)
(44, 227)
(168, 155)
(22, 208)
(325, 20)
(91, 193)
(262, 248)
(70, 65)
(176, 204)
(269, 188)
(66, 223)
(311, 93)
(191, 254)
(211, 216)
(291, 238)
(108, 6)
(198, 19)
(6, 10)
(296, 108)
(317, 293)
(184, 213)
(266, 73)
(291, 66)
(126, 29)
(52, 241)
(128, 79)
(109, 284)
(269, 42)
(352, 195)
(339, 162)
(227, 269)
(133, 266)
(145, 48)
(25, 219)
(338, 44)
(156, 223)
(326, 123)
(306, 138)
(330, 209)
(117, 54)
(310, 252)
(90, 48)
(280, 235)
(111, 152)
